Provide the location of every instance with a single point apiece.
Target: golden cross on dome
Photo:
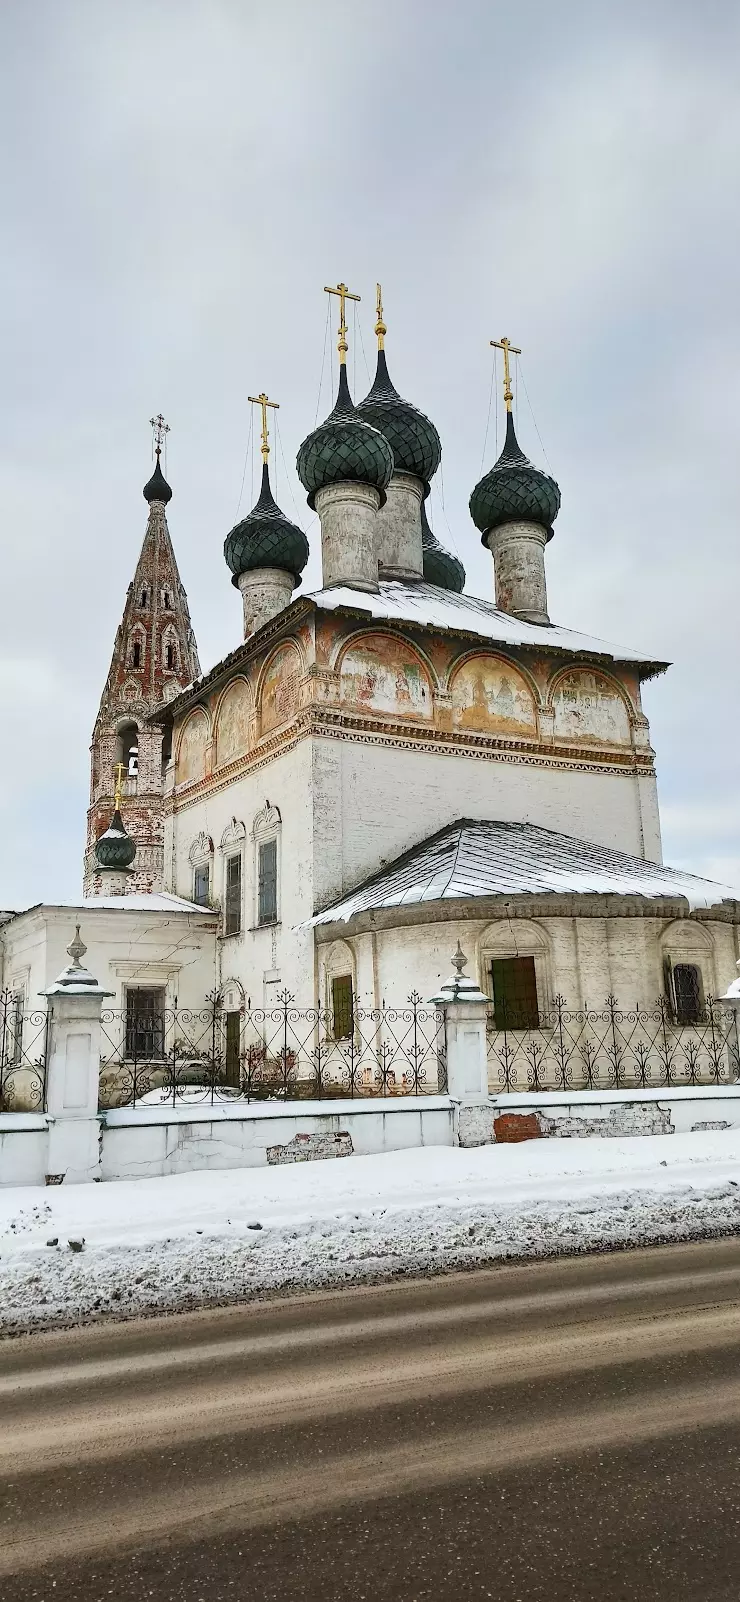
(263, 400)
(161, 430)
(380, 327)
(508, 349)
(344, 294)
(119, 781)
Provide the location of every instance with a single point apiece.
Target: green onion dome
(440, 567)
(514, 491)
(413, 438)
(157, 489)
(115, 848)
(266, 539)
(344, 449)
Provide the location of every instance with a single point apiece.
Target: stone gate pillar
(73, 1069)
(465, 1008)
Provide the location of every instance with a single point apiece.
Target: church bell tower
(154, 657)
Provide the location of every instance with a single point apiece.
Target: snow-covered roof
(431, 607)
(472, 859)
(158, 901)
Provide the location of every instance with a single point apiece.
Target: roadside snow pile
(187, 1241)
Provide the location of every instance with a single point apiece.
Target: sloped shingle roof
(470, 859)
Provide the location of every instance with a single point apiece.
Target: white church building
(379, 768)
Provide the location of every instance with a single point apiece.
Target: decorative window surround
(266, 828)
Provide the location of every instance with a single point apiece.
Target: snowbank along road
(556, 1430)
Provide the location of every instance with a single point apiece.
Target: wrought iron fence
(613, 1049)
(23, 1053)
(286, 1053)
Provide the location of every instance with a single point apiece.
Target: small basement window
(514, 984)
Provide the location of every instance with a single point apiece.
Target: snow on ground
(194, 1239)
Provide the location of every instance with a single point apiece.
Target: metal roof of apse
(470, 859)
(431, 607)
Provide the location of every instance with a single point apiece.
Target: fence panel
(23, 1054)
(612, 1049)
(284, 1053)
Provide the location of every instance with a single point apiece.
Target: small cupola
(114, 848)
(440, 566)
(345, 466)
(413, 438)
(265, 551)
(514, 506)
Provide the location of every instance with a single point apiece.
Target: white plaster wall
(124, 947)
(264, 961)
(377, 801)
(239, 1137)
(585, 959)
(24, 1146)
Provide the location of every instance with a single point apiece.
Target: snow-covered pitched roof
(431, 607)
(472, 859)
(157, 901)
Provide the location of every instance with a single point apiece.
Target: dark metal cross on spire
(161, 430)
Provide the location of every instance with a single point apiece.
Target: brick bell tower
(154, 657)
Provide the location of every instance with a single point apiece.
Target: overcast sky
(179, 182)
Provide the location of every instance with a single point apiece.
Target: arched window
(266, 830)
(144, 598)
(128, 749)
(169, 655)
(166, 600)
(136, 654)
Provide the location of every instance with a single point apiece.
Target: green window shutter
(342, 1006)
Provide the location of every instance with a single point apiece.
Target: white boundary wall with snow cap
(146, 1142)
(579, 1114)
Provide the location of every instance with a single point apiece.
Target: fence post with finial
(465, 1010)
(75, 1002)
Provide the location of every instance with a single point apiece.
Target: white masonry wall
(373, 802)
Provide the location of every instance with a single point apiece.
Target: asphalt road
(560, 1431)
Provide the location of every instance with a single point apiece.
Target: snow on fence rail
(611, 1049)
(283, 1052)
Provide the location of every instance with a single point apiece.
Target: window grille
(144, 1024)
(267, 909)
(233, 896)
(342, 1006)
(514, 983)
(688, 993)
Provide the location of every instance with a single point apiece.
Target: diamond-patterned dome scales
(115, 848)
(344, 449)
(266, 538)
(411, 435)
(514, 491)
(439, 565)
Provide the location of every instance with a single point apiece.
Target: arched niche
(279, 688)
(517, 952)
(490, 695)
(232, 722)
(382, 673)
(589, 706)
(191, 748)
(686, 945)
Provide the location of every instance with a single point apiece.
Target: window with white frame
(266, 833)
(233, 895)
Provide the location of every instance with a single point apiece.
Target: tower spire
(264, 401)
(344, 294)
(508, 349)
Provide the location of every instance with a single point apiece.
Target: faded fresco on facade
(280, 688)
(490, 696)
(588, 707)
(191, 750)
(383, 674)
(232, 730)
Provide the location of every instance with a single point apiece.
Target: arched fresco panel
(489, 695)
(589, 707)
(383, 674)
(280, 688)
(232, 729)
(191, 750)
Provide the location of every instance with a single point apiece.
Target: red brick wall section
(511, 1127)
